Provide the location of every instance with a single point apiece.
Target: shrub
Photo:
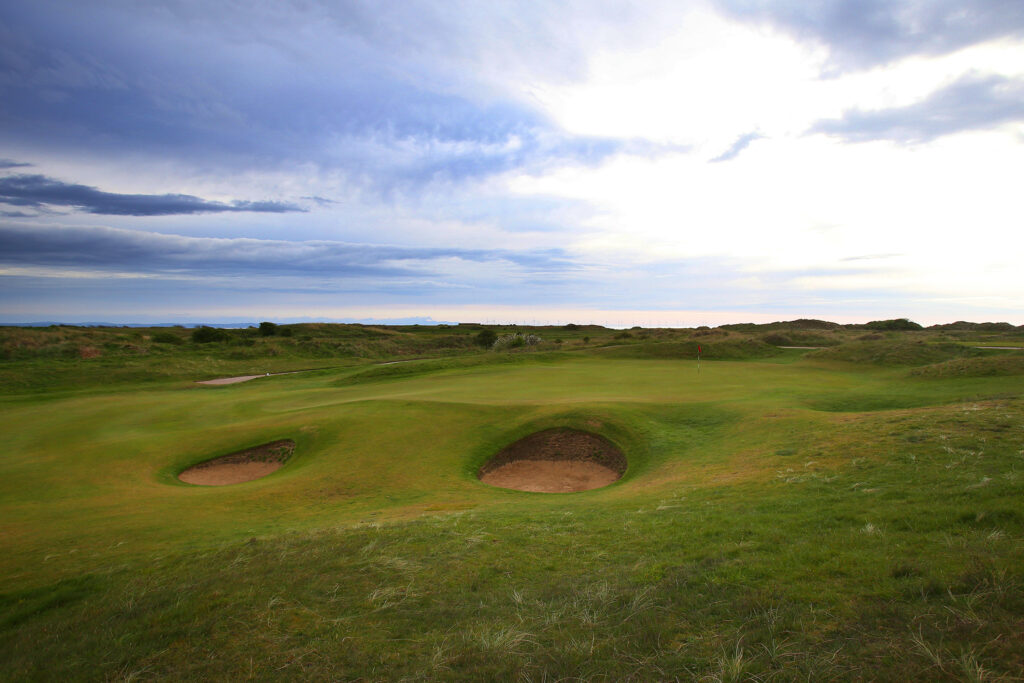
(268, 329)
(167, 338)
(777, 339)
(205, 335)
(514, 341)
(486, 338)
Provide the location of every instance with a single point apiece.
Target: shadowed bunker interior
(558, 460)
(235, 468)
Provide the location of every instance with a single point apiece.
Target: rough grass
(895, 353)
(991, 366)
(413, 368)
(729, 349)
(751, 538)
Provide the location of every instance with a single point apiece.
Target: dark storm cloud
(145, 252)
(742, 142)
(38, 191)
(972, 103)
(864, 33)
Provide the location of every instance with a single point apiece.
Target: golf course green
(849, 513)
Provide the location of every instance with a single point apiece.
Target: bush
(515, 341)
(205, 335)
(268, 329)
(486, 338)
(167, 338)
(777, 339)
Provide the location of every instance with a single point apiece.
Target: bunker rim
(556, 460)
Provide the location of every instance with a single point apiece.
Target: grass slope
(775, 522)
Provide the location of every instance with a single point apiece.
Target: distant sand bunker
(252, 463)
(555, 461)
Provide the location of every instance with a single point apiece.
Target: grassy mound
(731, 349)
(799, 324)
(990, 366)
(416, 368)
(800, 338)
(894, 353)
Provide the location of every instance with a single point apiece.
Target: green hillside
(782, 517)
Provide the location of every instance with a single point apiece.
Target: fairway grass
(781, 518)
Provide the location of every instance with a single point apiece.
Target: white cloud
(810, 203)
(712, 79)
(703, 84)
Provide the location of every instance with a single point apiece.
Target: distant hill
(799, 324)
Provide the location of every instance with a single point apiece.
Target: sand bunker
(246, 465)
(230, 380)
(555, 461)
(245, 378)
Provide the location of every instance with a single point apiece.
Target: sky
(621, 163)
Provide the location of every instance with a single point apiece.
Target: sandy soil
(252, 463)
(230, 380)
(556, 460)
(244, 378)
(228, 473)
(550, 476)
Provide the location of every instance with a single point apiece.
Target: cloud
(112, 249)
(8, 163)
(742, 142)
(974, 102)
(389, 97)
(37, 191)
(870, 257)
(322, 201)
(865, 33)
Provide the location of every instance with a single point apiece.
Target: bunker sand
(551, 476)
(555, 461)
(235, 468)
(244, 378)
